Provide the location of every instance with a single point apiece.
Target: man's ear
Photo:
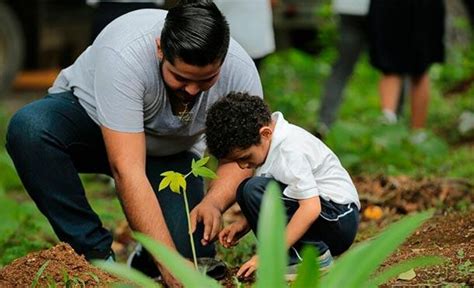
(266, 132)
(159, 52)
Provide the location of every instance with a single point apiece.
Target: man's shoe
(213, 267)
(325, 262)
(142, 261)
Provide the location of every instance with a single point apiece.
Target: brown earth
(64, 268)
(450, 233)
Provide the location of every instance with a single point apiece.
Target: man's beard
(180, 95)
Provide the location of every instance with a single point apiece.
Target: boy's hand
(248, 268)
(231, 234)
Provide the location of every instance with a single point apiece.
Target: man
(132, 106)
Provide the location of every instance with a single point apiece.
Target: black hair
(195, 32)
(234, 122)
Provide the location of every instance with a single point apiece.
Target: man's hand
(248, 268)
(230, 235)
(210, 215)
(168, 278)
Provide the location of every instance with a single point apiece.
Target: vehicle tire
(11, 48)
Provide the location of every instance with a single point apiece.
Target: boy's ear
(266, 132)
(159, 52)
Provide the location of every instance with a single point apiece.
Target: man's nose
(192, 89)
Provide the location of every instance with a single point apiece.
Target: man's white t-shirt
(304, 163)
(118, 81)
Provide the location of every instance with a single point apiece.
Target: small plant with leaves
(177, 183)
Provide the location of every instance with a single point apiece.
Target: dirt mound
(64, 267)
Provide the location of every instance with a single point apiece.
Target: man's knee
(23, 131)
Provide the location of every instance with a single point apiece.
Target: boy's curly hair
(234, 122)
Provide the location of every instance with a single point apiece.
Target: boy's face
(254, 156)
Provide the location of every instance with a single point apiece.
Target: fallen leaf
(373, 212)
(408, 275)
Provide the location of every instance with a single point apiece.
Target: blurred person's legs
(389, 89)
(420, 97)
(353, 39)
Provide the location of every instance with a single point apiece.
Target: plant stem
(189, 229)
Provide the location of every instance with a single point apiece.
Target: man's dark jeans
(334, 229)
(52, 140)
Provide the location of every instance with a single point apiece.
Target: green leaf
(124, 272)
(165, 182)
(369, 255)
(176, 264)
(271, 236)
(174, 179)
(395, 270)
(308, 272)
(204, 172)
(407, 275)
(38, 274)
(201, 162)
(167, 173)
(196, 166)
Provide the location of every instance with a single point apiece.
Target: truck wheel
(11, 48)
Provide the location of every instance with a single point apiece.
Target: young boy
(320, 199)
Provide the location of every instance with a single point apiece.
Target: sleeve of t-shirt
(252, 83)
(295, 170)
(119, 93)
(242, 76)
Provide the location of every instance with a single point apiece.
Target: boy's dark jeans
(52, 140)
(334, 229)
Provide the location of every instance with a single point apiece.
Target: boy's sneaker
(325, 262)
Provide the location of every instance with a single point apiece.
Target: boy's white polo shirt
(304, 163)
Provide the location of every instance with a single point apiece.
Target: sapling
(177, 183)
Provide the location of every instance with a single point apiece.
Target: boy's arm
(220, 195)
(305, 215)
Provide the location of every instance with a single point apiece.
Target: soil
(450, 233)
(64, 268)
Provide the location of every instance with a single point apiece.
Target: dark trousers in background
(353, 31)
(52, 140)
(353, 40)
(334, 229)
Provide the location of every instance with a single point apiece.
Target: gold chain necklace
(185, 116)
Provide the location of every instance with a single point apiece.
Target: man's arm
(220, 196)
(127, 158)
(126, 152)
